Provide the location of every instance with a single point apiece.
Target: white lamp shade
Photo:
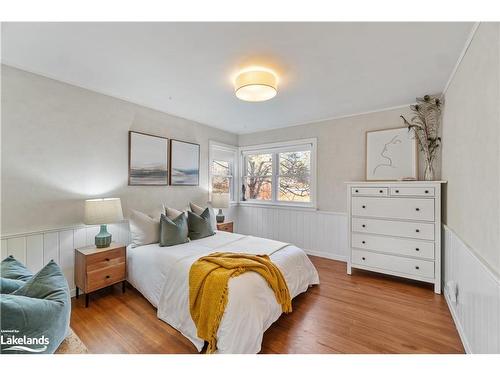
(220, 200)
(103, 211)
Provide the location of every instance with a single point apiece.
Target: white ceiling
(326, 70)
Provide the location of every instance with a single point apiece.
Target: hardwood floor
(362, 313)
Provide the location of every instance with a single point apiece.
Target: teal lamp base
(103, 238)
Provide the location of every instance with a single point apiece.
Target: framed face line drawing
(391, 155)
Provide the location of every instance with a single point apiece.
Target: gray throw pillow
(7, 286)
(199, 210)
(13, 269)
(173, 232)
(39, 310)
(200, 225)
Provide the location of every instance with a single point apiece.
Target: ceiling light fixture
(256, 85)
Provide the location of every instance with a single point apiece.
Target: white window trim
(235, 178)
(274, 148)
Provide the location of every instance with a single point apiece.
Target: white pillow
(144, 229)
(199, 210)
(171, 213)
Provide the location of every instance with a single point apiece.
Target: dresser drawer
(375, 191)
(394, 208)
(397, 246)
(412, 191)
(106, 276)
(421, 231)
(407, 266)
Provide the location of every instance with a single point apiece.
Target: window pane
(221, 168)
(259, 165)
(296, 163)
(294, 189)
(258, 188)
(221, 184)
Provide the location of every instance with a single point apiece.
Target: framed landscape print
(184, 163)
(148, 159)
(391, 154)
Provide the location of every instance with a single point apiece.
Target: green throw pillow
(200, 225)
(7, 286)
(10, 268)
(37, 315)
(173, 232)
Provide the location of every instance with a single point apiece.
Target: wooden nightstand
(98, 268)
(226, 226)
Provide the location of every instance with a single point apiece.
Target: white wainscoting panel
(37, 249)
(476, 311)
(319, 233)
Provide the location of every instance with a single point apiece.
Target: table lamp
(102, 212)
(220, 201)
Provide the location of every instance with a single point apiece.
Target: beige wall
(340, 153)
(471, 146)
(62, 144)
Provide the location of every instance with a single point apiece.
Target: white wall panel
(318, 232)
(34, 252)
(50, 247)
(37, 249)
(17, 248)
(67, 256)
(476, 311)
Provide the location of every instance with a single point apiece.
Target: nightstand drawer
(225, 227)
(106, 276)
(105, 259)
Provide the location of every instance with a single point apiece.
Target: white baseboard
(458, 325)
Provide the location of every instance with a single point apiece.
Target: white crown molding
(462, 55)
(386, 109)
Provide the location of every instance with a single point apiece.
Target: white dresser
(395, 228)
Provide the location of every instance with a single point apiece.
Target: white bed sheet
(161, 274)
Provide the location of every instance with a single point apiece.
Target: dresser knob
(427, 192)
(396, 191)
(363, 206)
(417, 267)
(107, 276)
(417, 249)
(363, 258)
(363, 225)
(380, 191)
(417, 209)
(356, 191)
(363, 242)
(417, 230)
(107, 259)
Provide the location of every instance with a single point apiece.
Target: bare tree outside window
(294, 176)
(221, 176)
(258, 176)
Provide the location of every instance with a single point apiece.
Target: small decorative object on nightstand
(225, 227)
(97, 268)
(220, 201)
(103, 211)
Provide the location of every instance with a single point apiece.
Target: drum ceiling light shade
(256, 85)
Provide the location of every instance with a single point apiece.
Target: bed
(161, 274)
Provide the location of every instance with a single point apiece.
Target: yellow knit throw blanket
(208, 288)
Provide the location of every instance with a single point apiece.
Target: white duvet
(161, 274)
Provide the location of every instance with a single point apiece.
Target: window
(280, 173)
(222, 169)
